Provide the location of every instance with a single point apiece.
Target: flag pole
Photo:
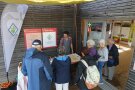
(7, 77)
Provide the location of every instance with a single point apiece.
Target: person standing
(22, 81)
(103, 53)
(91, 48)
(37, 67)
(113, 59)
(61, 70)
(66, 41)
(81, 68)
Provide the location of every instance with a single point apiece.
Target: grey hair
(61, 50)
(102, 41)
(91, 42)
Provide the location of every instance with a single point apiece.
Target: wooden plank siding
(131, 78)
(61, 17)
(108, 9)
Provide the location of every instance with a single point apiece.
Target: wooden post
(75, 24)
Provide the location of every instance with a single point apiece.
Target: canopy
(51, 2)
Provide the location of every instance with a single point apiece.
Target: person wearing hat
(37, 67)
(61, 70)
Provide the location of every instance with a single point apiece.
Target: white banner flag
(11, 23)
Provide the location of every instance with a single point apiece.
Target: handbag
(110, 62)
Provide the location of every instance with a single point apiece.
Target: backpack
(92, 76)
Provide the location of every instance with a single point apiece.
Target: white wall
(116, 30)
(125, 31)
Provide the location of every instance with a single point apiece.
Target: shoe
(105, 77)
(109, 81)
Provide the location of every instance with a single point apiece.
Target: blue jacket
(38, 69)
(61, 69)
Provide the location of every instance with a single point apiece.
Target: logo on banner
(13, 29)
(49, 37)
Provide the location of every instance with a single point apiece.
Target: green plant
(130, 40)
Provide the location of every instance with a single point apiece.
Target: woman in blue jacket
(61, 70)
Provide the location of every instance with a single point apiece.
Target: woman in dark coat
(61, 70)
(81, 69)
(113, 59)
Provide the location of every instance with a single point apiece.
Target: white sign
(49, 37)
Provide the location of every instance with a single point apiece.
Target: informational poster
(49, 37)
(30, 35)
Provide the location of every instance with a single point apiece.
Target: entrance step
(107, 86)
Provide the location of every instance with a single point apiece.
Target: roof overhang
(49, 2)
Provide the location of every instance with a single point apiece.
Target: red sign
(30, 35)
